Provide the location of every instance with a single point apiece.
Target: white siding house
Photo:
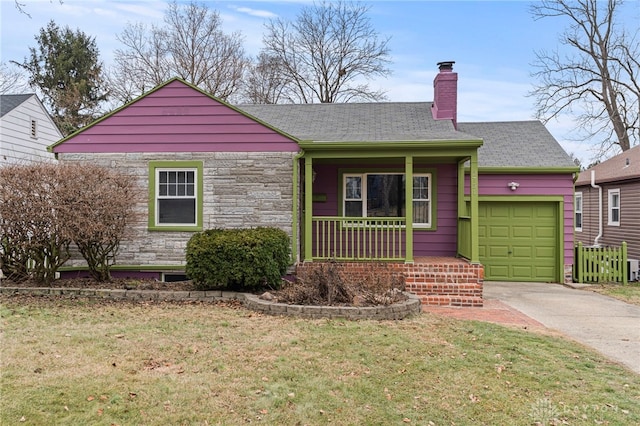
(26, 130)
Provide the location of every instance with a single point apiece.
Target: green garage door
(519, 241)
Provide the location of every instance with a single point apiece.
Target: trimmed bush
(238, 258)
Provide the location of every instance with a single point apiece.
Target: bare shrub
(32, 244)
(96, 205)
(332, 283)
(46, 207)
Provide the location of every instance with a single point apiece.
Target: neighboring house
(403, 183)
(26, 130)
(608, 212)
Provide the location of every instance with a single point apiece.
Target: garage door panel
(545, 232)
(498, 231)
(498, 272)
(544, 212)
(525, 252)
(499, 251)
(519, 240)
(546, 273)
(545, 253)
(499, 211)
(522, 232)
(521, 272)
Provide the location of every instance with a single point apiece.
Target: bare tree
(266, 83)
(328, 53)
(12, 80)
(21, 7)
(600, 76)
(190, 44)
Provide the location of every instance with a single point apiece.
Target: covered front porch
(400, 203)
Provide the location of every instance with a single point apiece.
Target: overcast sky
(492, 43)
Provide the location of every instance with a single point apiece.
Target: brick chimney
(445, 94)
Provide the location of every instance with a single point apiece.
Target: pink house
(448, 203)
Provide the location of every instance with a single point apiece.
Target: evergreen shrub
(238, 258)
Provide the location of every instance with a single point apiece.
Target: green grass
(629, 293)
(69, 362)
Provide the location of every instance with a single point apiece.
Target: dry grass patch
(68, 361)
(629, 293)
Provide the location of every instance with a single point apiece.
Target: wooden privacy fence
(600, 264)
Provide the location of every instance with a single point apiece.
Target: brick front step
(436, 281)
(444, 289)
(461, 301)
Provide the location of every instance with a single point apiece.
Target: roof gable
(623, 166)
(176, 117)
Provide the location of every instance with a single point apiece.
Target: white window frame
(159, 197)
(577, 210)
(611, 208)
(428, 200)
(364, 193)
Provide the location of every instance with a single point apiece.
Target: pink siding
(177, 118)
(441, 242)
(553, 184)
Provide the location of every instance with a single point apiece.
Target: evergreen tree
(65, 67)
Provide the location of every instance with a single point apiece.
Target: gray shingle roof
(517, 144)
(506, 144)
(9, 102)
(357, 122)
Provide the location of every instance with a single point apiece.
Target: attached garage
(520, 240)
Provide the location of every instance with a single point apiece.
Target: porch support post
(408, 197)
(308, 208)
(473, 208)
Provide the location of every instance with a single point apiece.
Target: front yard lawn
(629, 293)
(77, 361)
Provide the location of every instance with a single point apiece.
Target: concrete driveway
(608, 325)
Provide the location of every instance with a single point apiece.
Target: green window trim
(152, 202)
(430, 172)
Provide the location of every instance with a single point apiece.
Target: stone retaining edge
(253, 302)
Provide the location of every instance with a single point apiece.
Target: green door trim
(558, 201)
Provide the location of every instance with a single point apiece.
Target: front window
(577, 206)
(614, 207)
(175, 195)
(383, 195)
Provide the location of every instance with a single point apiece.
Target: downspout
(295, 256)
(599, 188)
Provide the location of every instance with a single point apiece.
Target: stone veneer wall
(241, 190)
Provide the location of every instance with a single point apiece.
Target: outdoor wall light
(513, 185)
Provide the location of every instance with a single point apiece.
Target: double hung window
(577, 207)
(175, 195)
(614, 207)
